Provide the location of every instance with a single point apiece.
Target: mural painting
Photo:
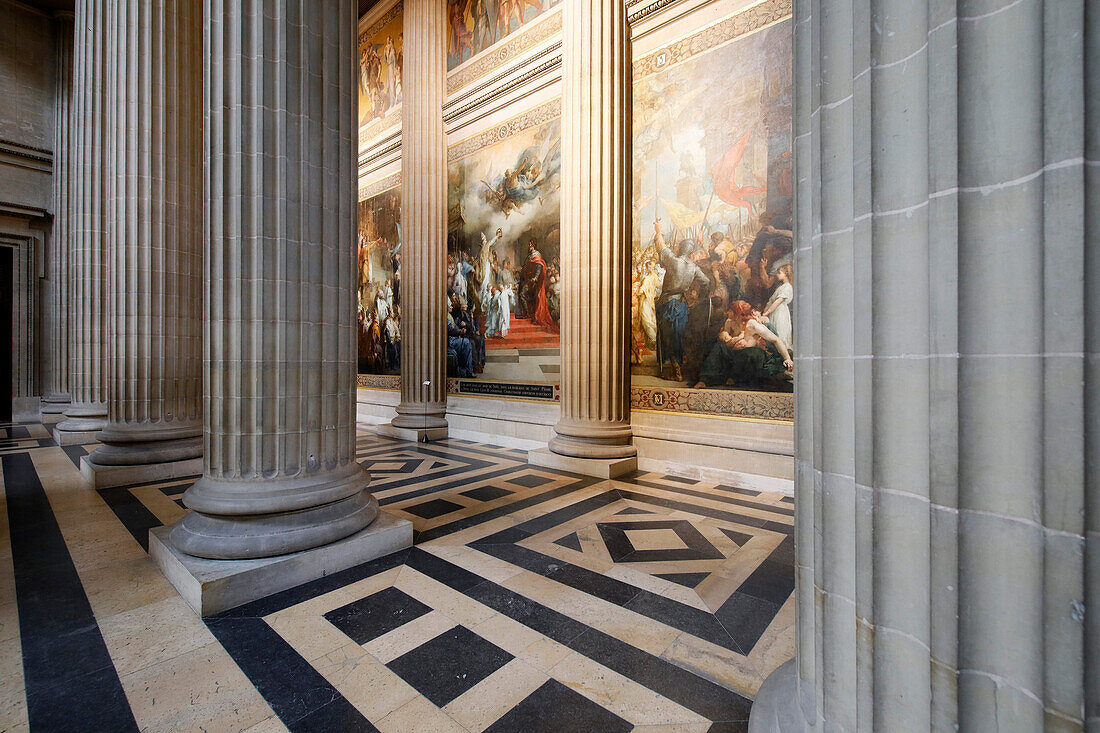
(503, 265)
(380, 48)
(712, 287)
(475, 25)
(380, 283)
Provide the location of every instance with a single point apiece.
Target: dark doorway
(7, 348)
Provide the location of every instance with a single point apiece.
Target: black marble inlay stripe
(74, 452)
(302, 698)
(781, 510)
(132, 513)
(70, 681)
(553, 708)
(664, 610)
(706, 511)
(500, 511)
(677, 684)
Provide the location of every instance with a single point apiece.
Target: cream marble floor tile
(418, 716)
(268, 725)
(124, 585)
(11, 673)
(488, 567)
(200, 690)
(365, 682)
(13, 713)
(373, 584)
(163, 508)
(9, 619)
(485, 702)
(408, 636)
(544, 654)
(151, 634)
(676, 728)
(626, 698)
(507, 633)
(458, 606)
(311, 636)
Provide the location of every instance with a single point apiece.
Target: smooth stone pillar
(595, 243)
(421, 414)
(279, 468)
(87, 267)
(154, 422)
(56, 395)
(946, 242)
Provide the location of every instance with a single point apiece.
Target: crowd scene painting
(380, 69)
(475, 25)
(503, 264)
(379, 323)
(712, 298)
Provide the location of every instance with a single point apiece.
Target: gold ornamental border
(380, 186)
(503, 130)
(742, 23)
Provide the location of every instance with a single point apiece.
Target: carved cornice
(547, 66)
(636, 16)
(387, 18)
(504, 130)
(26, 156)
(749, 20)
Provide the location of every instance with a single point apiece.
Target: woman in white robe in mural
(505, 297)
(778, 310)
(648, 293)
(493, 313)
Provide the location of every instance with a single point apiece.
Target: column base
(101, 476)
(55, 403)
(415, 435)
(776, 708)
(213, 586)
(54, 408)
(598, 467)
(74, 437)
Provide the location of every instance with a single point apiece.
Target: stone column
(594, 435)
(87, 276)
(421, 412)
(946, 263)
(279, 468)
(154, 427)
(56, 394)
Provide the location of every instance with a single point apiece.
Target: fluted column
(280, 473)
(423, 221)
(87, 276)
(155, 256)
(946, 502)
(56, 394)
(595, 226)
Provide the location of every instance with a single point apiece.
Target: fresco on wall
(712, 289)
(475, 25)
(503, 264)
(380, 283)
(380, 64)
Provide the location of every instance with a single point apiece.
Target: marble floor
(533, 600)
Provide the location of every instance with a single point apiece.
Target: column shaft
(423, 220)
(280, 473)
(595, 226)
(56, 393)
(87, 276)
(155, 278)
(945, 247)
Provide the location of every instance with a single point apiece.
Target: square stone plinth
(213, 586)
(598, 467)
(64, 437)
(100, 476)
(414, 435)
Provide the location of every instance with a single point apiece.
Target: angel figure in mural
(661, 112)
(536, 175)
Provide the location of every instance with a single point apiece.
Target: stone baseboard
(101, 476)
(413, 435)
(598, 467)
(213, 586)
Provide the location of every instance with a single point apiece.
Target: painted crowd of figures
(717, 312)
(380, 286)
(477, 24)
(484, 293)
